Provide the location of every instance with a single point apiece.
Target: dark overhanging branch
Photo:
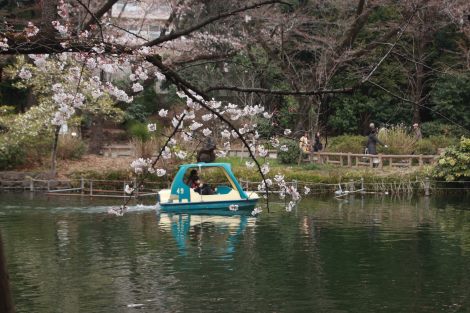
(128, 31)
(94, 17)
(99, 14)
(189, 30)
(282, 92)
(201, 57)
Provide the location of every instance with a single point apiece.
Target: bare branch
(400, 34)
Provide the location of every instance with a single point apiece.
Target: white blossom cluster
(4, 44)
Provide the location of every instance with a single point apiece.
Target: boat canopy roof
(226, 166)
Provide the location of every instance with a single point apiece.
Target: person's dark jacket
(372, 142)
(317, 146)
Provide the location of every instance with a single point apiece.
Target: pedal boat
(229, 196)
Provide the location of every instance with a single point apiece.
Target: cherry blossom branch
(154, 162)
(186, 87)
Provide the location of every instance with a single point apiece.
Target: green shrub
(11, 155)
(454, 164)
(139, 131)
(437, 128)
(347, 143)
(70, 147)
(443, 141)
(432, 144)
(292, 155)
(425, 146)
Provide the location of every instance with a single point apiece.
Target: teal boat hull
(243, 204)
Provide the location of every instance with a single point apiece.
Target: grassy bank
(94, 167)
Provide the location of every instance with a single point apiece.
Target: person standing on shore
(417, 132)
(372, 141)
(317, 145)
(304, 144)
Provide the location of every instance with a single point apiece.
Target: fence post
(427, 185)
(362, 184)
(31, 184)
(380, 161)
(351, 185)
(349, 159)
(420, 160)
(48, 185)
(82, 185)
(91, 188)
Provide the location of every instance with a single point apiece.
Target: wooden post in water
(31, 184)
(362, 184)
(136, 192)
(91, 188)
(427, 185)
(6, 301)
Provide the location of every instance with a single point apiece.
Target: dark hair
(193, 173)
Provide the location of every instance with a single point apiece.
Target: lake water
(363, 254)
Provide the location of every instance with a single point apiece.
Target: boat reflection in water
(222, 230)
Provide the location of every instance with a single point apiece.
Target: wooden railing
(381, 160)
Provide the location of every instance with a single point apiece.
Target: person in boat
(203, 189)
(194, 182)
(192, 178)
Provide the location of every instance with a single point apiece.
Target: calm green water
(366, 254)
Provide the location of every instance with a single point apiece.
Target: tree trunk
(96, 135)
(48, 14)
(54, 151)
(6, 301)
